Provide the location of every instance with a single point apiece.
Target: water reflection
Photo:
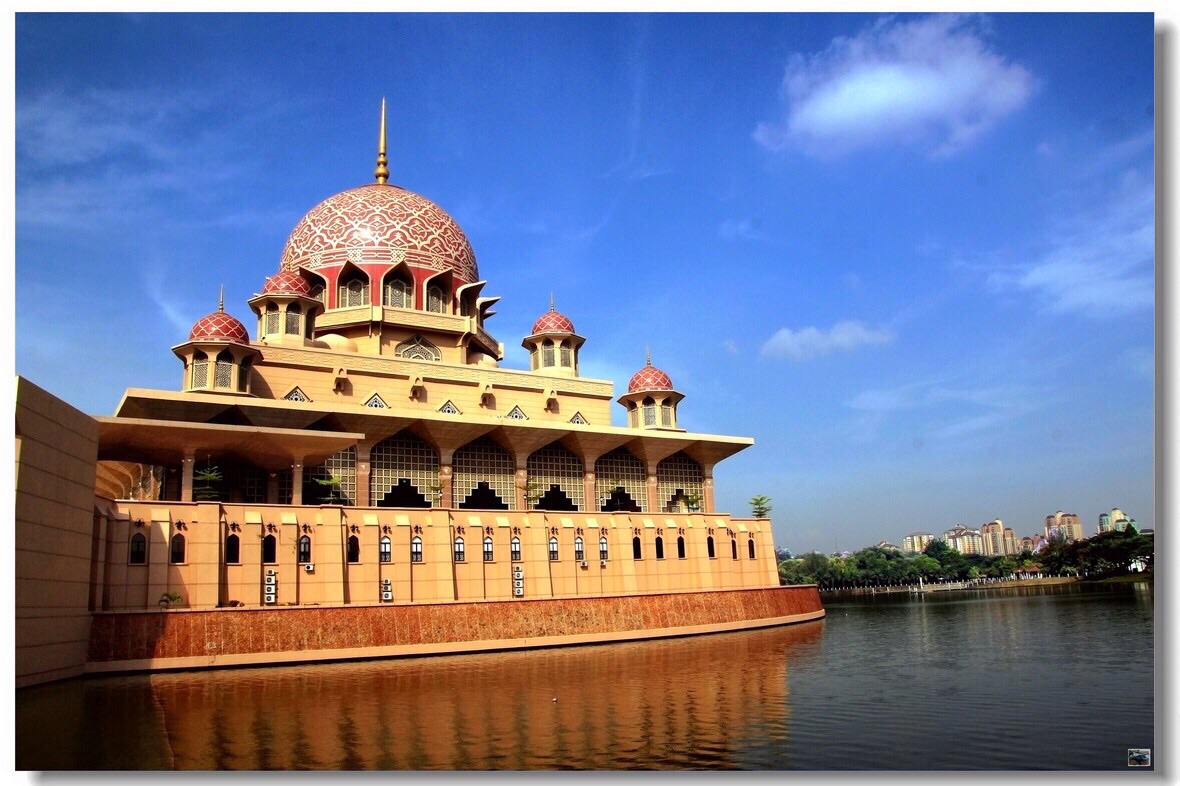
(680, 703)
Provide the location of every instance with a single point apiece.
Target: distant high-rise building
(1065, 524)
(964, 540)
(1031, 543)
(998, 540)
(916, 543)
(887, 545)
(1115, 521)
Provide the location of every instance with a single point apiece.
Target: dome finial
(221, 299)
(649, 356)
(382, 171)
(551, 306)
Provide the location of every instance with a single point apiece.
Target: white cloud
(810, 342)
(933, 82)
(1101, 264)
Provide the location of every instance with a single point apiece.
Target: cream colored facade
(997, 540)
(1067, 524)
(964, 540)
(365, 447)
(916, 543)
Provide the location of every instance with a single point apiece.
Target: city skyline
(910, 255)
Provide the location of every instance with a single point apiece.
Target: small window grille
(416, 549)
(293, 315)
(579, 549)
(449, 409)
(224, 371)
(296, 395)
(516, 549)
(665, 415)
(305, 549)
(176, 557)
(317, 292)
(386, 549)
(566, 356)
(417, 348)
(547, 353)
(633, 417)
(488, 552)
(244, 376)
(396, 294)
(649, 413)
(435, 300)
(578, 420)
(516, 414)
(272, 319)
(354, 549)
(354, 293)
(603, 549)
(460, 554)
(553, 549)
(376, 402)
(200, 370)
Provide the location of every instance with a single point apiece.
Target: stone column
(272, 488)
(186, 477)
(297, 481)
(522, 482)
(363, 474)
(446, 480)
(590, 490)
(708, 504)
(653, 490)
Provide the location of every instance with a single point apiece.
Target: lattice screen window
(620, 468)
(403, 455)
(516, 414)
(397, 293)
(578, 420)
(483, 461)
(354, 293)
(200, 370)
(633, 416)
(556, 464)
(244, 376)
(223, 373)
(649, 412)
(449, 409)
(296, 395)
(566, 355)
(665, 414)
(294, 312)
(243, 483)
(376, 402)
(272, 319)
(436, 300)
(317, 292)
(341, 465)
(417, 348)
(678, 477)
(547, 353)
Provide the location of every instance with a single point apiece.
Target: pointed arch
(417, 348)
(397, 287)
(352, 287)
(620, 482)
(485, 476)
(403, 471)
(679, 482)
(557, 467)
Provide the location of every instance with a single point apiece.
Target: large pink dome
(649, 378)
(380, 224)
(553, 321)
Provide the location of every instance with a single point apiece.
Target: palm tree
(760, 506)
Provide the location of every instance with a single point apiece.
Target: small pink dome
(649, 378)
(553, 321)
(287, 282)
(219, 326)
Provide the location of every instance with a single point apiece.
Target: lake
(1036, 678)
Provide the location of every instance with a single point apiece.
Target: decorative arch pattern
(556, 465)
(402, 468)
(620, 468)
(484, 461)
(417, 348)
(678, 478)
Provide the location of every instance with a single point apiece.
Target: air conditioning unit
(583, 563)
(269, 598)
(270, 571)
(602, 563)
(270, 580)
(386, 595)
(309, 567)
(518, 592)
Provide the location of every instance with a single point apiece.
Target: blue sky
(911, 255)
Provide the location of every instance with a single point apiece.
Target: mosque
(364, 479)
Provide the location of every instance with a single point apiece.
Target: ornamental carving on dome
(219, 326)
(649, 378)
(286, 282)
(553, 322)
(381, 224)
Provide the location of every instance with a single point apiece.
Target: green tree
(205, 483)
(760, 506)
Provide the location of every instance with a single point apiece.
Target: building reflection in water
(671, 703)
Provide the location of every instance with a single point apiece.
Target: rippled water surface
(1037, 678)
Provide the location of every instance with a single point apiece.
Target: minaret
(382, 171)
(553, 345)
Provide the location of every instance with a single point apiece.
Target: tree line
(1104, 555)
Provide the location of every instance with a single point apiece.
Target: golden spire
(221, 299)
(382, 172)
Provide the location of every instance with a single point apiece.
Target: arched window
(659, 548)
(397, 293)
(535, 358)
(233, 550)
(712, 549)
(223, 374)
(566, 355)
(680, 548)
(354, 292)
(579, 549)
(488, 551)
(271, 325)
(270, 548)
(294, 312)
(354, 549)
(317, 293)
(516, 549)
(200, 369)
(416, 549)
(304, 549)
(547, 353)
(553, 549)
(244, 376)
(176, 553)
(636, 548)
(138, 553)
(750, 545)
(460, 553)
(649, 412)
(665, 414)
(602, 548)
(436, 300)
(632, 415)
(733, 543)
(386, 549)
